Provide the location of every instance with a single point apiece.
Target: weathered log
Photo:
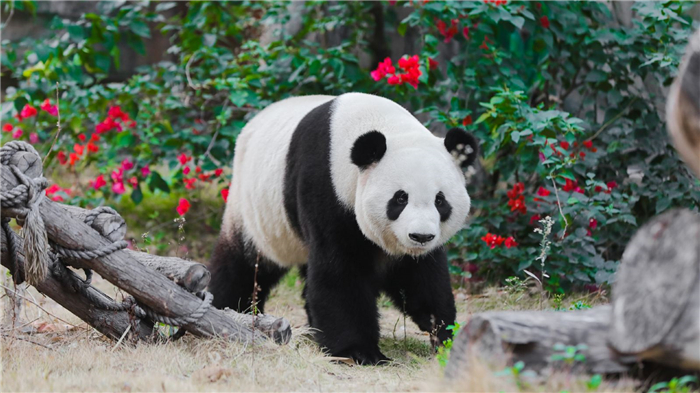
(192, 276)
(656, 296)
(150, 288)
(110, 323)
(502, 337)
(276, 328)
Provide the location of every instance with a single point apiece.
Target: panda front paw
(364, 356)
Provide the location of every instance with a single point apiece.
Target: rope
(25, 199)
(104, 303)
(65, 252)
(16, 263)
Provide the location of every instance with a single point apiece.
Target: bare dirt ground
(55, 351)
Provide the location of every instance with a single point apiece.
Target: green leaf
(137, 195)
(124, 139)
(140, 28)
(156, 182)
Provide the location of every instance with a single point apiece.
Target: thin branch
(187, 72)
(126, 331)
(27, 340)
(561, 212)
(604, 126)
(42, 309)
(9, 17)
(58, 124)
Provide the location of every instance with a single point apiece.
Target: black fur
(457, 136)
(443, 206)
(396, 205)
(232, 268)
(368, 149)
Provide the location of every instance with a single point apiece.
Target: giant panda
(359, 195)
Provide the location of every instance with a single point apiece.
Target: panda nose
(421, 237)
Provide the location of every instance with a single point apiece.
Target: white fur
(415, 161)
(256, 202)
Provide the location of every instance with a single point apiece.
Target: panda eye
(401, 197)
(439, 199)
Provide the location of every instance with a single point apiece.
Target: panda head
(411, 195)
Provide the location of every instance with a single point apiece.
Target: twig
(126, 331)
(27, 340)
(43, 309)
(604, 126)
(9, 17)
(187, 72)
(561, 212)
(58, 124)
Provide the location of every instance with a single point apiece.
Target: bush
(564, 99)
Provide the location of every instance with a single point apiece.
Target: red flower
(394, 80)
(17, 133)
(510, 242)
(183, 158)
(224, 194)
(198, 169)
(94, 137)
(78, 149)
(588, 144)
(183, 206)
(186, 170)
(108, 124)
(467, 120)
(492, 240)
(189, 183)
(127, 165)
(564, 145)
(134, 181)
(570, 185)
(383, 68)
(99, 182)
(518, 204)
(115, 112)
(612, 184)
(582, 154)
(450, 32)
(204, 176)
(535, 219)
(145, 171)
(517, 189)
(484, 45)
(33, 138)
(432, 64)
(52, 189)
(218, 172)
(538, 6)
(118, 175)
(543, 192)
(593, 223)
(50, 109)
(544, 21)
(92, 148)
(7, 127)
(118, 188)
(27, 112)
(82, 137)
(465, 32)
(73, 158)
(598, 189)
(62, 159)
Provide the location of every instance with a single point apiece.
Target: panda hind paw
(364, 357)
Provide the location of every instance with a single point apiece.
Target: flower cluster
(494, 241)
(572, 185)
(183, 206)
(611, 185)
(53, 192)
(450, 32)
(516, 199)
(410, 75)
(198, 173)
(110, 122)
(48, 108)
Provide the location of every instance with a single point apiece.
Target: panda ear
(463, 146)
(368, 149)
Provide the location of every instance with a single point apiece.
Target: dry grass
(79, 359)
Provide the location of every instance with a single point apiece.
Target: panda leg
(341, 301)
(232, 268)
(421, 288)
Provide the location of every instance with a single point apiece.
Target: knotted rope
(25, 199)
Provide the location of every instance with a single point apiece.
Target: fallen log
(110, 323)
(192, 276)
(654, 317)
(82, 246)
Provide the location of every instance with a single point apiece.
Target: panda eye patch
(443, 207)
(396, 205)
